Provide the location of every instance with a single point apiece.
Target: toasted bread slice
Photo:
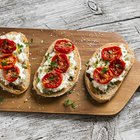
(97, 94)
(23, 83)
(69, 86)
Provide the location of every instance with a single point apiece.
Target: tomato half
(52, 79)
(7, 46)
(64, 46)
(7, 61)
(102, 75)
(60, 63)
(11, 74)
(111, 53)
(117, 66)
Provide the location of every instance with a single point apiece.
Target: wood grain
(118, 16)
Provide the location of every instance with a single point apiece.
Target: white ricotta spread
(96, 61)
(42, 70)
(21, 55)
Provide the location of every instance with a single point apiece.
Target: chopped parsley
(104, 70)
(54, 64)
(69, 102)
(29, 43)
(70, 92)
(24, 66)
(51, 78)
(19, 47)
(4, 63)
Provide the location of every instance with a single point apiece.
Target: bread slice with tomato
(107, 69)
(14, 62)
(59, 69)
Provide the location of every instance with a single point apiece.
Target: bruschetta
(14, 62)
(59, 70)
(107, 69)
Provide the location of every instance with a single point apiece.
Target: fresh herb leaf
(29, 43)
(74, 106)
(70, 92)
(4, 63)
(47, 56)
(54, 64)
(69, 102)
(19, 46)
(104, 70)
(24, 66)
(51, 78)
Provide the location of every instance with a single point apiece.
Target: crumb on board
(42, 41)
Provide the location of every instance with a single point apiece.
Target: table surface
(99, 15)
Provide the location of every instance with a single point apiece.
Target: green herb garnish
(20, 47)
(29, 43)
(69, 92)
(69, 102)
(4, 63)
(54, 64)
(104, 70)
(24, 66)
(74, 106)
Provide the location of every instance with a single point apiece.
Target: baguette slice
(24, 83)
(104, 97)
(75, 78)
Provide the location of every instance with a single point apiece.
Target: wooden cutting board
(87, 42)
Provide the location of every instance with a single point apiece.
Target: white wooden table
(122, 16)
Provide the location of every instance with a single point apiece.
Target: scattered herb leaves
(69, 102)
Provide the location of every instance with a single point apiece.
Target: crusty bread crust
(75, 79)
(101, 98)
(25, 84)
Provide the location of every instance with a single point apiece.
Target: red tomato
(7, 46)
(64, 46)
(102, 75)
(117, 66)
(7, 61)
(52, 79)
(111, 53)
(11, 74)
(60, 63)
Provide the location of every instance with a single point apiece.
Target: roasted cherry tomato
(52, 79)
(11, 74)
(7, 46)
(111, 53)
(117, 66)
(64, 46)
(7, 61)
(60, 63)
(102, 75)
